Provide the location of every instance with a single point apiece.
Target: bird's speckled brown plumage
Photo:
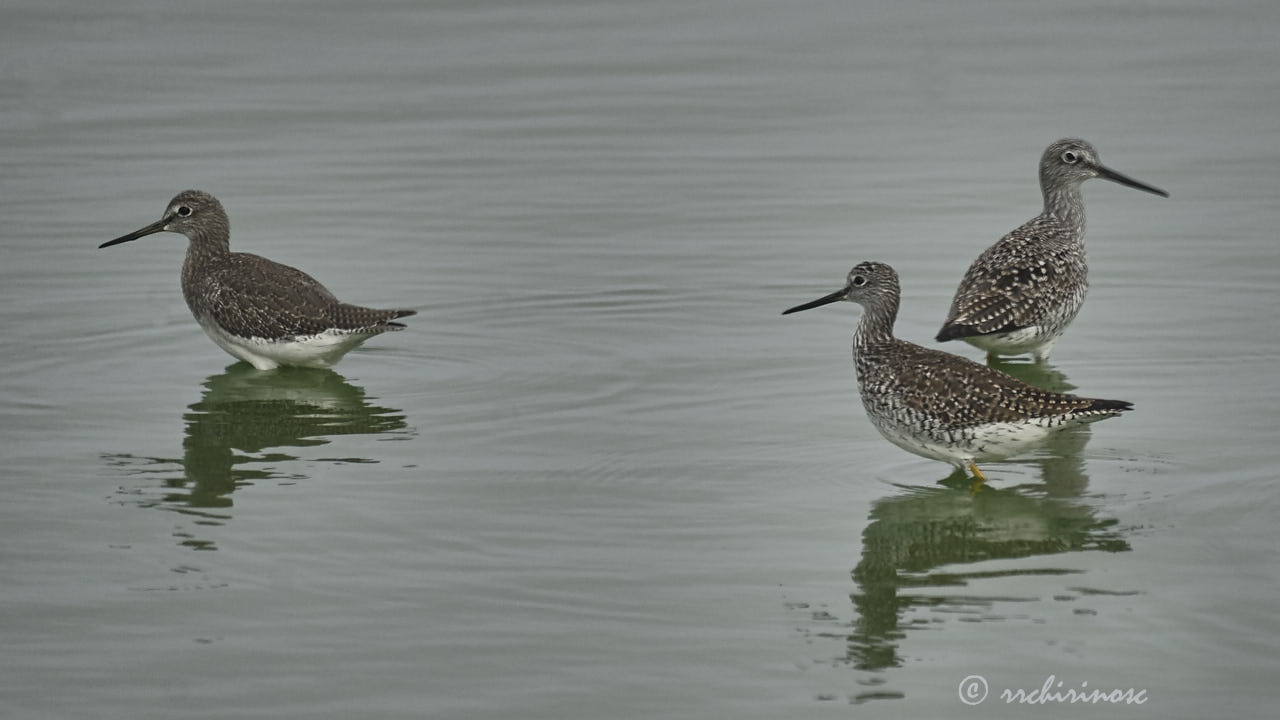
(1022, 292)
(940, 405)
(253, 297)
(919, 385)
(254, 308)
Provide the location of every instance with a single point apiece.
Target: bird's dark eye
(1070, 158)
(183, 211)
(858, 281)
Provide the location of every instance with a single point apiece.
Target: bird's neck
(1065, 203)
(876, 325)
(204, 250)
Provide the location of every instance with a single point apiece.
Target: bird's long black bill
(1113, 176)
(836, 296)
(152, 229)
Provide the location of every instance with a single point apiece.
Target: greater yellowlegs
(260, 311)
(944, 406)
(1022, 292)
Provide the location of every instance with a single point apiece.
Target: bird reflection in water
(239, 431)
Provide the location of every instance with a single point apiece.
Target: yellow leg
(978, 478)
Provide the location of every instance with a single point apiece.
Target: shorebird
(258, 310)
(943, 406)
(1022, 292)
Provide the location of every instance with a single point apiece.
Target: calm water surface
(600, 475)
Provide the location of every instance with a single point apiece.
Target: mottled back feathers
(955, 392)
(1036, 276)
(253, 297)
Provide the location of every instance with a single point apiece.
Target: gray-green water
(600, 475)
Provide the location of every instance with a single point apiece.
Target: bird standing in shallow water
(944, 406)
(1022, 292)
(260, 311)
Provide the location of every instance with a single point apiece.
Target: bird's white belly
(1031, 339)
(992, 441)
(318, 351)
